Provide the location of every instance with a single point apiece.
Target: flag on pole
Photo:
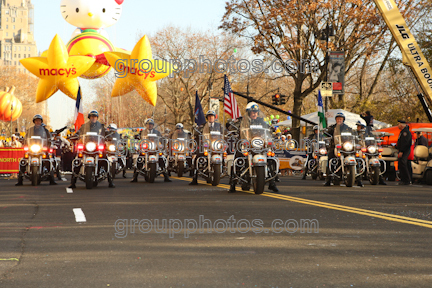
(321, 115)
(79, 114)
(199, 113)
(230, 103)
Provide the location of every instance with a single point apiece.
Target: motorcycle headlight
(257, 143)
(372, 149)
(35, 148)
(348, 146)
(217, 145)
(91, 146)
(323, 151)
(112, 148)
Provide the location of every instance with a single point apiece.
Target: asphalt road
(376, 236)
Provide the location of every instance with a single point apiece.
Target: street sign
(326, 89)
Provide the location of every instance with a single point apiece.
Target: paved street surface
(376, 236)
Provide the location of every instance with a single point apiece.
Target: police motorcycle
(254, 163)
(91, 164)
(116, 149)
(343, 167)
(38, 163)
(317, 159)
(179, 152)
(57, 146)
(373, 165)
(151, 160)
(209, 160)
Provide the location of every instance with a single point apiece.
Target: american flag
(230, 103)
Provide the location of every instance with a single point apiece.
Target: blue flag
(199, 113)
(321, 115)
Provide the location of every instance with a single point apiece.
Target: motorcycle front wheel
(259, 180)
(89, 172)
(350, 177)
(34, 175)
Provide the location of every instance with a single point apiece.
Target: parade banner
(336, 71)
(294, 160)
(9, 160)
(412, 55)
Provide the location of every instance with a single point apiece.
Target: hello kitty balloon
(91, 14)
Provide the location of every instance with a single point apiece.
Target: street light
(326, 35)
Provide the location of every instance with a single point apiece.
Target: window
(7, 19)
(19, 55)
(13, 19)
(14, 55)
(14, 62)
(15, 48)
(7, 34)
(7, 12)
(7, 26)
(19, 48)
(13, 27)
(29, 55)
(25, 48)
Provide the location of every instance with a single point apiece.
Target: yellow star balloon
(57, 70)
(138, 71)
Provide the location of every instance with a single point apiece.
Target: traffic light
(276, 99)
(283, 99)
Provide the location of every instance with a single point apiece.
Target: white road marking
(64, 179)
(79, 215)
(69, 190)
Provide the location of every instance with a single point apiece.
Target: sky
(138, 16)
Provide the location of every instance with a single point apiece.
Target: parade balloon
(137, 71)
(272, 117)
(277, 117)
(8, 101)
(94, 45)
(91, 15)
(57, 71)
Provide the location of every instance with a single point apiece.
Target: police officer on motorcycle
(252, 110)
(335, 130)
(209, 126)
(149, 124)
(113, 134)
(311, 137)
(92, 126)
(37, 130)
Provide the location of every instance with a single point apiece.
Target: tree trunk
(295, 130)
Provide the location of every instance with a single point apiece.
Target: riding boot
(359, 182)
(195, 178)
(304, 175)
(73, 181)
(232, 187)
(277, 178)
(328, 177)
(20, 180)
(272, 186)
(124, 173)
(135, 177)
(110, 182)
(381, 180)
(52, 182)
(166, 177)
(59, 176)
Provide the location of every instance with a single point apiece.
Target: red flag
(79, 114)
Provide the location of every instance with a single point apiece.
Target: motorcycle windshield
(370, 141)
(91, 141)
(151, 143)
(215, 138)
(36, 143)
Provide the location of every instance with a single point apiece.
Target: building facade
(16, 32)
